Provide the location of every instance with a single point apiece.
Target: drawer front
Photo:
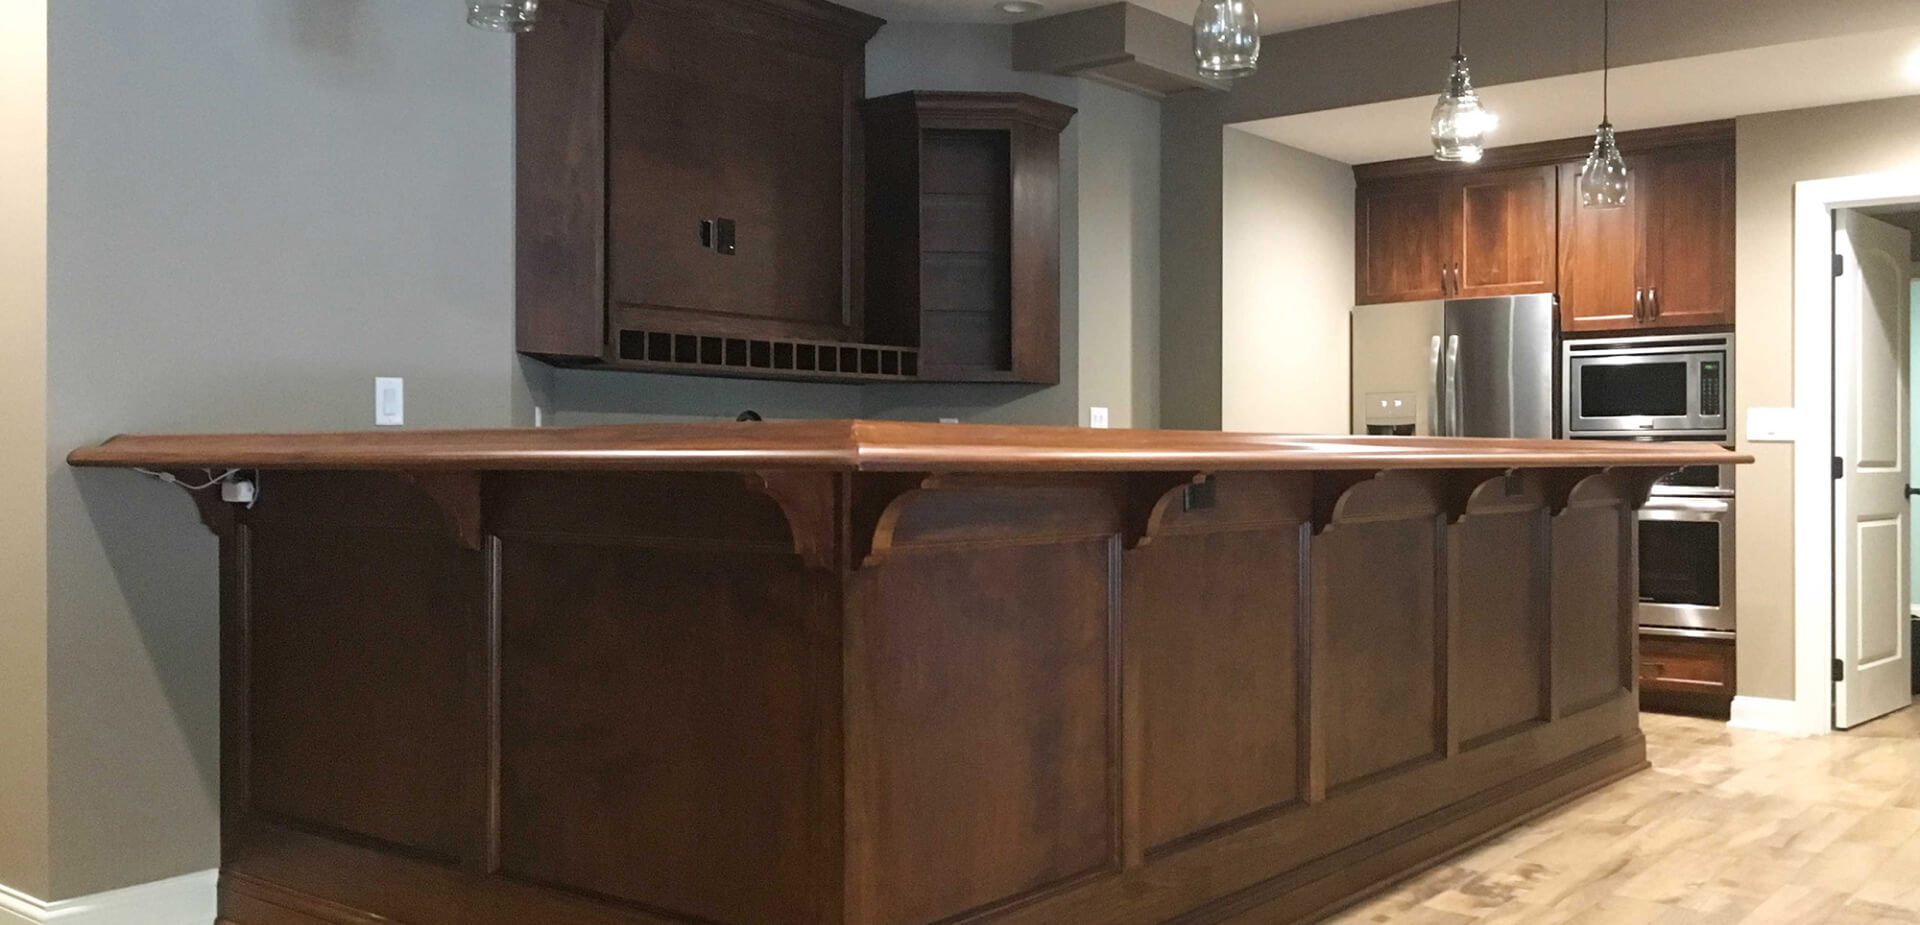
(1703, 666)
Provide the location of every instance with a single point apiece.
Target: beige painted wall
(1286, 288)
(1776, 151)
(23, 422)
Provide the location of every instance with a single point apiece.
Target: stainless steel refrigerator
(1464, 368)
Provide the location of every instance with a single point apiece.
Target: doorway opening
(1873, 431)
(1853, 278)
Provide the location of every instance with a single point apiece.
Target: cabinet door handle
(1639, 305)
(1653, 303)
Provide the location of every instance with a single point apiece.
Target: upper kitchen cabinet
(1600, 266)
(1455, 235)
(1513, 224)
(1405, 242)
(1663, 261)
(1504, 241)
(1687, 236)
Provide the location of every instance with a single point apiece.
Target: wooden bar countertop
(871, 446)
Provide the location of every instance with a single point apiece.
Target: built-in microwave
(1663, 386)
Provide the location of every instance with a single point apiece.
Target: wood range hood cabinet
(867, 673)
(702, 190)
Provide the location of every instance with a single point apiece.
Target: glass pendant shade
(503, 15)
(1603, 179)
(1226, 38)
(1460, 123)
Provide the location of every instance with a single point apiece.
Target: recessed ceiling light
(1018, 7)
(1913, 66)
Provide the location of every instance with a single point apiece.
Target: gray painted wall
(255, 209)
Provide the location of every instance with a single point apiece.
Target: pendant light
(503, 15)
(1226, 38)
(1460, 123)
(1603, 179)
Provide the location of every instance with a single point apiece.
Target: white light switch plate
(1772, 425)
(1097, 417)
(389, 402)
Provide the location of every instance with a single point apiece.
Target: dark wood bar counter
(870, 673)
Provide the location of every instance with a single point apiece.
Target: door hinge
(1839, 265)
(1839, 670)
(1839, 468)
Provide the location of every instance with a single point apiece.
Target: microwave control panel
(1712, 390)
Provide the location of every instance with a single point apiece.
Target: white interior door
(1870, 422)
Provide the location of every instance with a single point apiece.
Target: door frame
(1813, 395)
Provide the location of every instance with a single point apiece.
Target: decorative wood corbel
(1150, 496)
(457, 495)
(1560, 485)
(1329, 488)
(809, 501)
(1460, 485)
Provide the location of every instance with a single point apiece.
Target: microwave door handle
(1454, 398)
(1436, 424)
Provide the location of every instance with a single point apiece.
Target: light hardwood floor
(1728, 827)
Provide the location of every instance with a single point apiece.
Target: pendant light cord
(1606, 59)
(1459, 27)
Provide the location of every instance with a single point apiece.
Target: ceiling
(1275, 15)
(1821, 72)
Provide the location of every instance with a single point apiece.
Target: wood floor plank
(1730, 827)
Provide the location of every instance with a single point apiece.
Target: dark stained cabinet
(740, 113)
(1686, 675)
(1687, 236)
(1600, 288)
(1663, 261)
(1504, 232)
(1513, 224)
(1456, 235)
(963, 253)
(1405, 244)
(697, 194)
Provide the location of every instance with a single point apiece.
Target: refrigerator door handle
(1436, 424)
(1452, 386)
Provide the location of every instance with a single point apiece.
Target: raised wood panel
(365, 629)
(1378, 632)
(1221, 724)
(1506, 239)
(745, 113)
(658, 724)
(1593, 601)
(1404, 241)
(1007, 651)
(560, 183)
(1689, 229)
(1500, 579)
(1599, 259)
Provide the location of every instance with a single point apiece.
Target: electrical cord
(211, 482)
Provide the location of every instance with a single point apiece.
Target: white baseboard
(188, 900)
(1766, 714)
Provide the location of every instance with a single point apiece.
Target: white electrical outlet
(389, 401)
(1097, 418)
